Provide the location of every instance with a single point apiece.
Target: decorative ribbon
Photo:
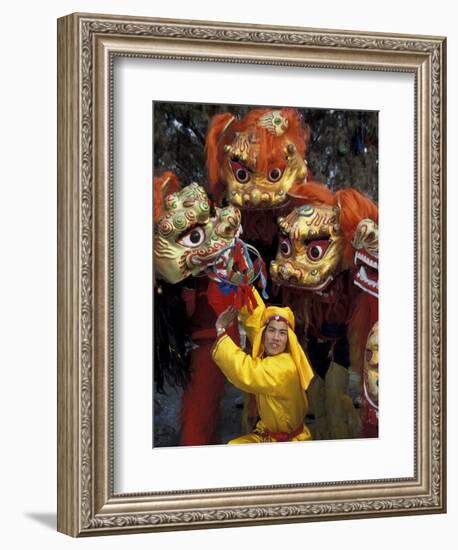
(242, 263)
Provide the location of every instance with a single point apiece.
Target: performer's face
(275, 337)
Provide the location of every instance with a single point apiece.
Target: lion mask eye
(285, 246)
(317, 249)
(193, 237)
(241, 173)
(275, 175)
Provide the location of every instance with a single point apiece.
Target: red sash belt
(284, 436)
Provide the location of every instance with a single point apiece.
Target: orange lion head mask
(253, 161)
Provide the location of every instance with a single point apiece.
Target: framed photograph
(208, 172)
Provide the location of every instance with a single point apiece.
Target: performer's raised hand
(226, 318)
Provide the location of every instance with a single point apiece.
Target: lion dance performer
(252, 163)
(277, 372)
(314, 267)
(189, 234)
(363, 325)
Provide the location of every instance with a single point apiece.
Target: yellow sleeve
(252, 321)
(253, 375)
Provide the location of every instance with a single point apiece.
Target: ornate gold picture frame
(87, 502)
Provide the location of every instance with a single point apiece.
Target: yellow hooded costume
(277, 381)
